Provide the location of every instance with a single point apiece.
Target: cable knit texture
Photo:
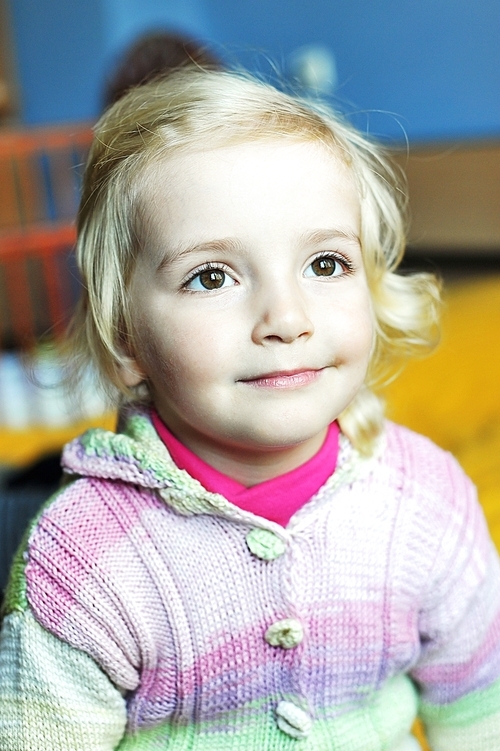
(144, 612)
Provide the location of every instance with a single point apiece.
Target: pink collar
(277, 499)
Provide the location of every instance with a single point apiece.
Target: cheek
(360, 347)
(370, 326)
(182, 359)
(367, 334)
(152, 351)
(209, 341)
(354, 330)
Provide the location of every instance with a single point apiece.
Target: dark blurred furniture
(454, 191)
(40, 173)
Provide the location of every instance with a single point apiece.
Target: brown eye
(212, 278)
(209, 279)
(324, 266)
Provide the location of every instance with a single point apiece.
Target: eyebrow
(326, 235)
(223, 245)
(231, 244)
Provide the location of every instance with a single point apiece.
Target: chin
(283, 437)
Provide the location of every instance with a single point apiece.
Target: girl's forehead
(260, 194)
(205, 162)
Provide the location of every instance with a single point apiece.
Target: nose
(282, 316)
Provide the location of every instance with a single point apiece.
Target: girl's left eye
(209, 279)
(326, 265)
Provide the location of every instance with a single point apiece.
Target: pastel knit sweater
(147, 613)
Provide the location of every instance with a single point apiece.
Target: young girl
(255, 560)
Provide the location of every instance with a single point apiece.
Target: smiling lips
(284, 380)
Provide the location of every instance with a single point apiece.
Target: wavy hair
(193, 107)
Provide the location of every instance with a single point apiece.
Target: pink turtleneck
(277, 499)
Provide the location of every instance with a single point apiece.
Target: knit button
(287, 633)
(292, 720)
(265, 544)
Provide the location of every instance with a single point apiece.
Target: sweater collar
(137, 455)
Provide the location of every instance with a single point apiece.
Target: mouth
(284, 379)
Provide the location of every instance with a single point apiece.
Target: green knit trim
(15, 596)
(472, 708)
(139, 442)
(129, 444)
(381, 724)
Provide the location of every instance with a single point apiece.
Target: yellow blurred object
(419, 734)
(454, 396)
(21, 447)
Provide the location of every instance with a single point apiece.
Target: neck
(250, 466)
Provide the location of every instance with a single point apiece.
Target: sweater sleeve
(52, 695)
(459, 669)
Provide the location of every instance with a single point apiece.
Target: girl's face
(253, 320)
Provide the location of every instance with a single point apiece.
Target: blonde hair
(186, 110)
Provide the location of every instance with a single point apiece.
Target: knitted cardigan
(144, 612)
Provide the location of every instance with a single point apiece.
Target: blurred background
(423, 77)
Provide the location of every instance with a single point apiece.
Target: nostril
(274, 338)
(283, 318)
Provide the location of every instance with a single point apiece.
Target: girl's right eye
(208, 280)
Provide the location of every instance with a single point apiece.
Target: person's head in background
(153, 54)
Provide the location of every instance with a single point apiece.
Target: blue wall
(430, 68)
(59, 49)
(64, 48)
(433, 66)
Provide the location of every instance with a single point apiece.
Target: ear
(131, 372)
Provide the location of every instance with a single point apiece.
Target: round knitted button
(292, 720)
(265, 544)
(286, 634)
